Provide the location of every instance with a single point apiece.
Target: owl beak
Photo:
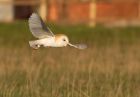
(65, 45)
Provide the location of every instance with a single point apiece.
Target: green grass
(19, 33)
(109, 67)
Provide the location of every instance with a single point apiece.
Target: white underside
(46, 42)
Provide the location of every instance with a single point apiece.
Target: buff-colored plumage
(45, 36)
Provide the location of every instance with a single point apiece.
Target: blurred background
(109, 67)
(116, 12)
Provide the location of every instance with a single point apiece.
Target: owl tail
(34, 44)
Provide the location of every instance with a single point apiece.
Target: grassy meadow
(109, 67)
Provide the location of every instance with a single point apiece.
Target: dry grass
(109, 71)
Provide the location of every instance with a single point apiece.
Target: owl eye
(64, 39)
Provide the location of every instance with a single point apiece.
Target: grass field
(109, 67)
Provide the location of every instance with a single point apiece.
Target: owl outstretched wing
(38, 27)
(78, 46)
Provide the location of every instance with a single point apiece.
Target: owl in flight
(45, 36)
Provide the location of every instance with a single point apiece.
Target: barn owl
(45, 36)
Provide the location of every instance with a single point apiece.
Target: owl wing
(38, 27)
(78, 46)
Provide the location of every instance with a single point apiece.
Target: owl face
(61, 40)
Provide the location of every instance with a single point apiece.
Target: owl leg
(34, 45)
(37, 46)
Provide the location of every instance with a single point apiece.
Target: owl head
(61, 40)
